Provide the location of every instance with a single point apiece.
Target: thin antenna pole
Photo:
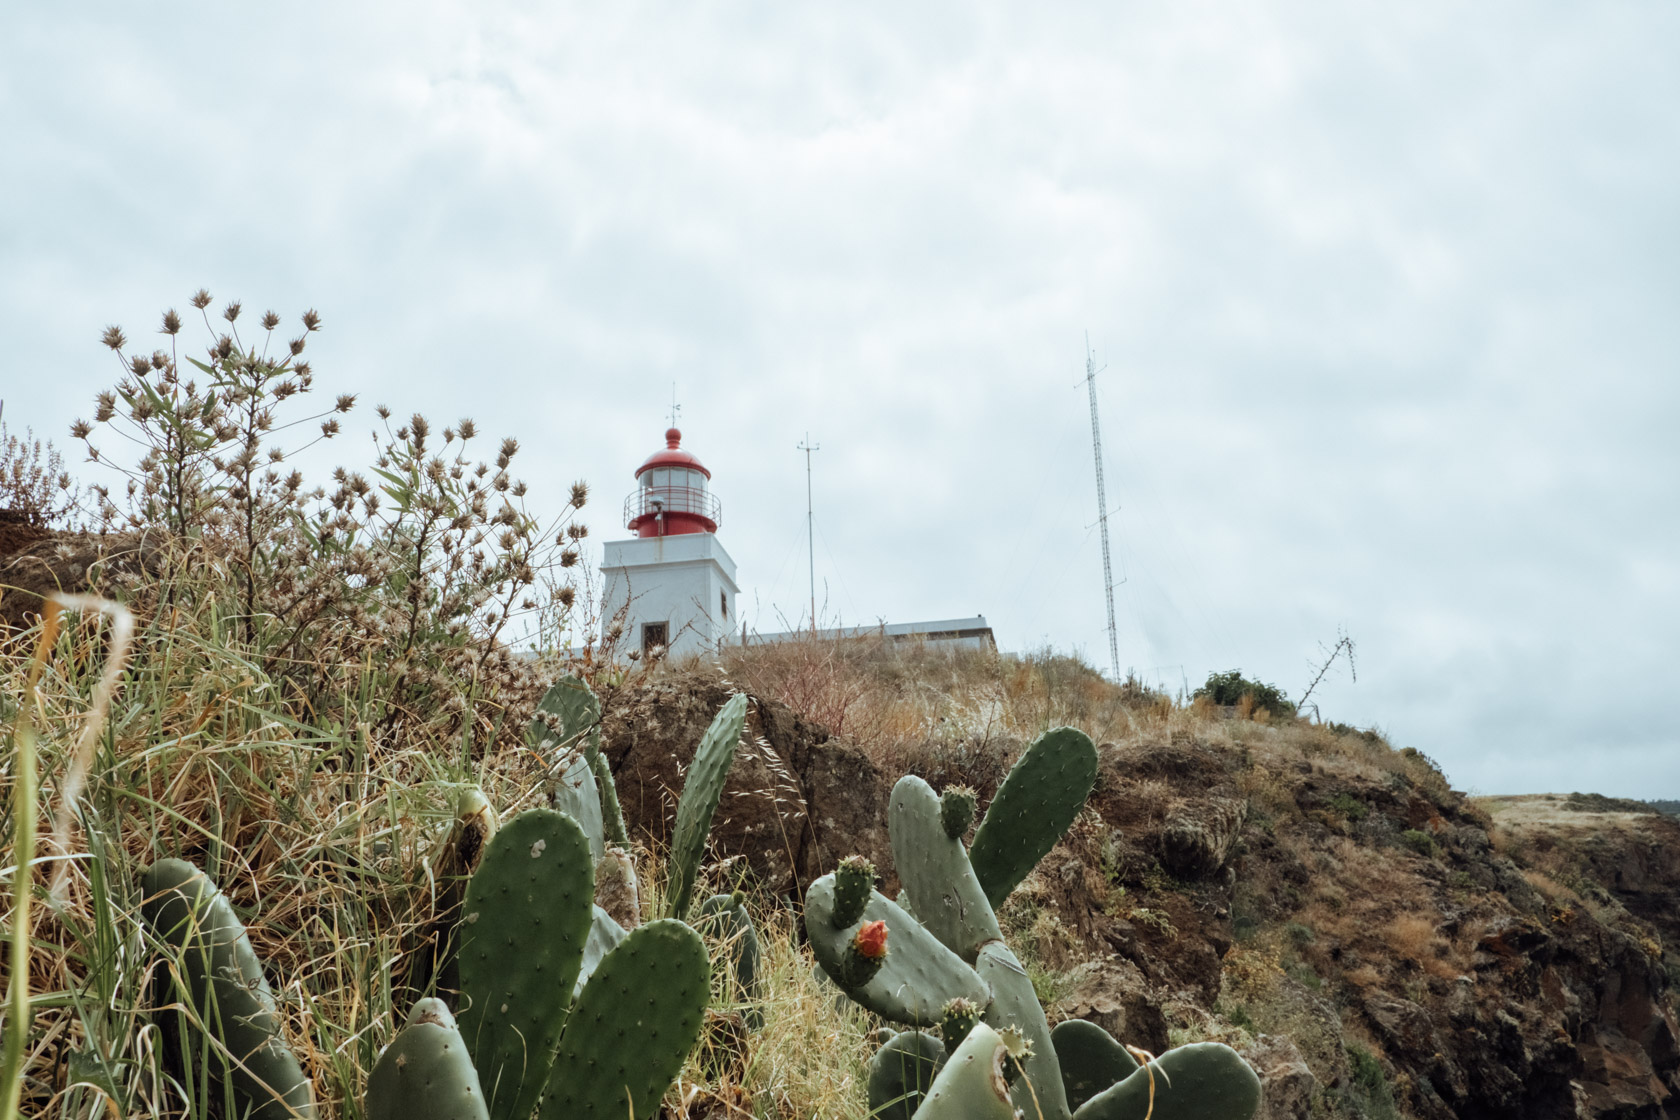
(810, 522)
(1102, 507)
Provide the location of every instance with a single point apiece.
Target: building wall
(685, 581)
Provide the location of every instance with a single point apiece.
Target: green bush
(1228, 689)
(1420, 842)
(1350, 807)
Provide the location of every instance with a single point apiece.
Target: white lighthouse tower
(672, 585)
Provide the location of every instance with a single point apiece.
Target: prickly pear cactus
(225, 987)
(523, 928)
(568, 717)
(1015, 1005)
(919, 975)
(632, 1027)
(971, 1085)
(699, 801)
(612, 814)
(1033, 809)
(948, 899)
(945, 943)
(1202, 1081)
(724, 918)
(901, 1072)
(426, 1073)
(1090, 1059)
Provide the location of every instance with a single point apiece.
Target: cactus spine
(225, 987)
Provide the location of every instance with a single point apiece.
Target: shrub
(1420, 842)
(34, 486)
(1230, 689)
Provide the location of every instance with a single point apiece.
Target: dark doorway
(655, 635)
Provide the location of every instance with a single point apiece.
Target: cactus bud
(1017, 1048)
(956, 1019)
(853, 880)
(865, 954)
(956, 811)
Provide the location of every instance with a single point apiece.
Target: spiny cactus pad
(568, 716)
(426, 1073)
(934, 869)
(1033, 809)
(1090, 1059)
(970, 1085)
(604, 935)
(956, 1020)
(956, 811)
(632, 1028)
(724, 917)
(1203, 1081)
(523, 930)
(612, 814)
(919, 977)
(227, 990)
(576, 795)
(901, 1072)
(1015, 1004)
(853, 880)
(704, 785)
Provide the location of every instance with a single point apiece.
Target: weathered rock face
(1352, 928)
(795, 804)
(36, 562)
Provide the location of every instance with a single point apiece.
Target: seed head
(114, 338)
(270, 320)
(201, 299)
(231, 311)
(171, 322)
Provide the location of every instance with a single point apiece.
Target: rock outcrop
(1365, 934)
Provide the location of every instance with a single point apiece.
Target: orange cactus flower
(871, 940)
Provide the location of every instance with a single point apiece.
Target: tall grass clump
(317, 669)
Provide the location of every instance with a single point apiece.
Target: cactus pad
(956, 811)
(524, 926)
(935, 871)
(919, 976)
(1033, 809)
(956, 1020)
(1203, 1081)
(853, 880)
(227, 990)
(604, 935)
(900, 1074)
(568, 717)
(576, 795)
(1015, 1004)
(724, 917)
(970, 1085)
(426, 1074)
(704, 785)
(632, 1028)
(1090, 1059)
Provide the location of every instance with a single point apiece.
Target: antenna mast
(1091, 372)
(810, 538)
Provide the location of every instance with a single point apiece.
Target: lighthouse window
(654, 637)
(723, 603)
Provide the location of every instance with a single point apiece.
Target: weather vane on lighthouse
(676, 409)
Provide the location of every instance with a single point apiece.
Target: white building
(671, 586)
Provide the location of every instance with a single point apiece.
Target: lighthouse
(671, 586)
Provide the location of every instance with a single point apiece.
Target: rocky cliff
(1376, 943)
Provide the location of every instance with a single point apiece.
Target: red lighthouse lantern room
(671, 496)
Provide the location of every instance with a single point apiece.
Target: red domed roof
(672, 456)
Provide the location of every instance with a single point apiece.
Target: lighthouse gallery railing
(650, 500)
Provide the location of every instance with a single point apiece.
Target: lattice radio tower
(1091, 372)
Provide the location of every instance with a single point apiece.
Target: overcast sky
(1386, 297)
